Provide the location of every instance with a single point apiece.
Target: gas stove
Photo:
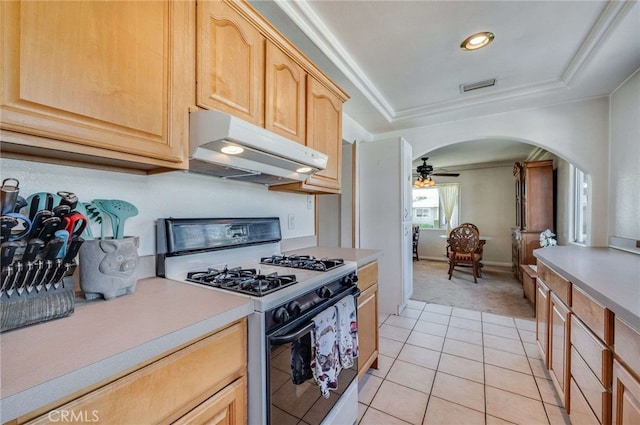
(303, 262)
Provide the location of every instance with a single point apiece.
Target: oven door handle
(285, 339)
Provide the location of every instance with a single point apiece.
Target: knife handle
(32, 250)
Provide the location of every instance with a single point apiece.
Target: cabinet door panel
(230, 62)
(559, 345)
(368, 330)
(626, 396)
(227, 407)
(324, 132)
(285, 95)
(97, 74)
(542, 320)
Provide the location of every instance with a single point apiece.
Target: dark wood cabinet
(534, 200)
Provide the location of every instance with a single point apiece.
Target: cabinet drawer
(597, 396)
(580, 412)
(627, 345)
(367, 275)
(596, 355)
(558, 285)
(597, 318)
(170, 387)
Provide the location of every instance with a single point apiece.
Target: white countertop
(610, 276)
(42, 363)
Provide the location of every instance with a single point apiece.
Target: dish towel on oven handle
(347, 331)
(325, 362)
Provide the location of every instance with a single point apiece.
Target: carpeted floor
(498, 291)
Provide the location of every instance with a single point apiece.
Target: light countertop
(48, 361)
(610, 276)
(359, 256)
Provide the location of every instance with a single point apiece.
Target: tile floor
(448, 365)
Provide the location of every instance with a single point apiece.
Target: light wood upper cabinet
(100, 79)
(230, 62)
(285, 92)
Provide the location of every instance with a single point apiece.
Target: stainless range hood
(253, 154)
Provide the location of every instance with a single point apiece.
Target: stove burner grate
(303, 262)
(246, 281)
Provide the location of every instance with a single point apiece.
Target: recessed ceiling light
(477, 41)
(303, 170)
(232, 150)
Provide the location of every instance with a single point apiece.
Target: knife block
(33, 307)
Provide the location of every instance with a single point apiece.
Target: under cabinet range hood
(225, 146)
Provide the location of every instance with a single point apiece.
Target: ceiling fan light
(477, 40)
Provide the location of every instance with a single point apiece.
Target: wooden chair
(464, 242)
(416, 238)
(480, 248)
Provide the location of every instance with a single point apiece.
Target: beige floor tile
(463, 349)
(504, 344)
(525, 324)
(527, 336)
(515, 408)
(401, 322)
(430, 328)
(532, 350)
(499, 330)
(437, 308)
(420, 356)
(472, 325)
(557, 415)
(415, 304)
(461, 367)
(401, 402)
(376, 417)
(509, 380)
(465, 335)
(443, 412)
(389, 347)
(412, 313)
(466, 313)
(393, 332)
(431, 316)
(413, 376)
(361, 409)
(367, 388)
(548, 392)
(460, 391)
(384, 364)
(424, 340)
(382, 317)
(506, 360)
(492, 420)
(539, 369)
(498, 319)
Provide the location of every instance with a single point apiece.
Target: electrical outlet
(291, 221)
(309, 202)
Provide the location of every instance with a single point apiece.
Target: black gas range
(246, 281)
(306, 262)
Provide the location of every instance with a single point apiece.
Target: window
(581, 207)
(428, 210)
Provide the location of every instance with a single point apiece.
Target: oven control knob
(281, 315)
(294, 308)
(349, 279)
(324, 292)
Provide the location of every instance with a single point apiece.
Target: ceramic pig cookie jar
(108, 267)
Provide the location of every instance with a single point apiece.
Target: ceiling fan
(425, 171)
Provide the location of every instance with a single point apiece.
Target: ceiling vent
(479, 85)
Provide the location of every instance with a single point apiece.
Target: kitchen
(179, 194)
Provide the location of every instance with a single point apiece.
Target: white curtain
(448, 194)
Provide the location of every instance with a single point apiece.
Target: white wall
(576, 131)
(624, 185)
(175, 194)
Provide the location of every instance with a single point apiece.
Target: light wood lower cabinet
(542, 320)
(368, 318)
(559, 354)
(204, 382)
(626, 396)
(100, 82)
